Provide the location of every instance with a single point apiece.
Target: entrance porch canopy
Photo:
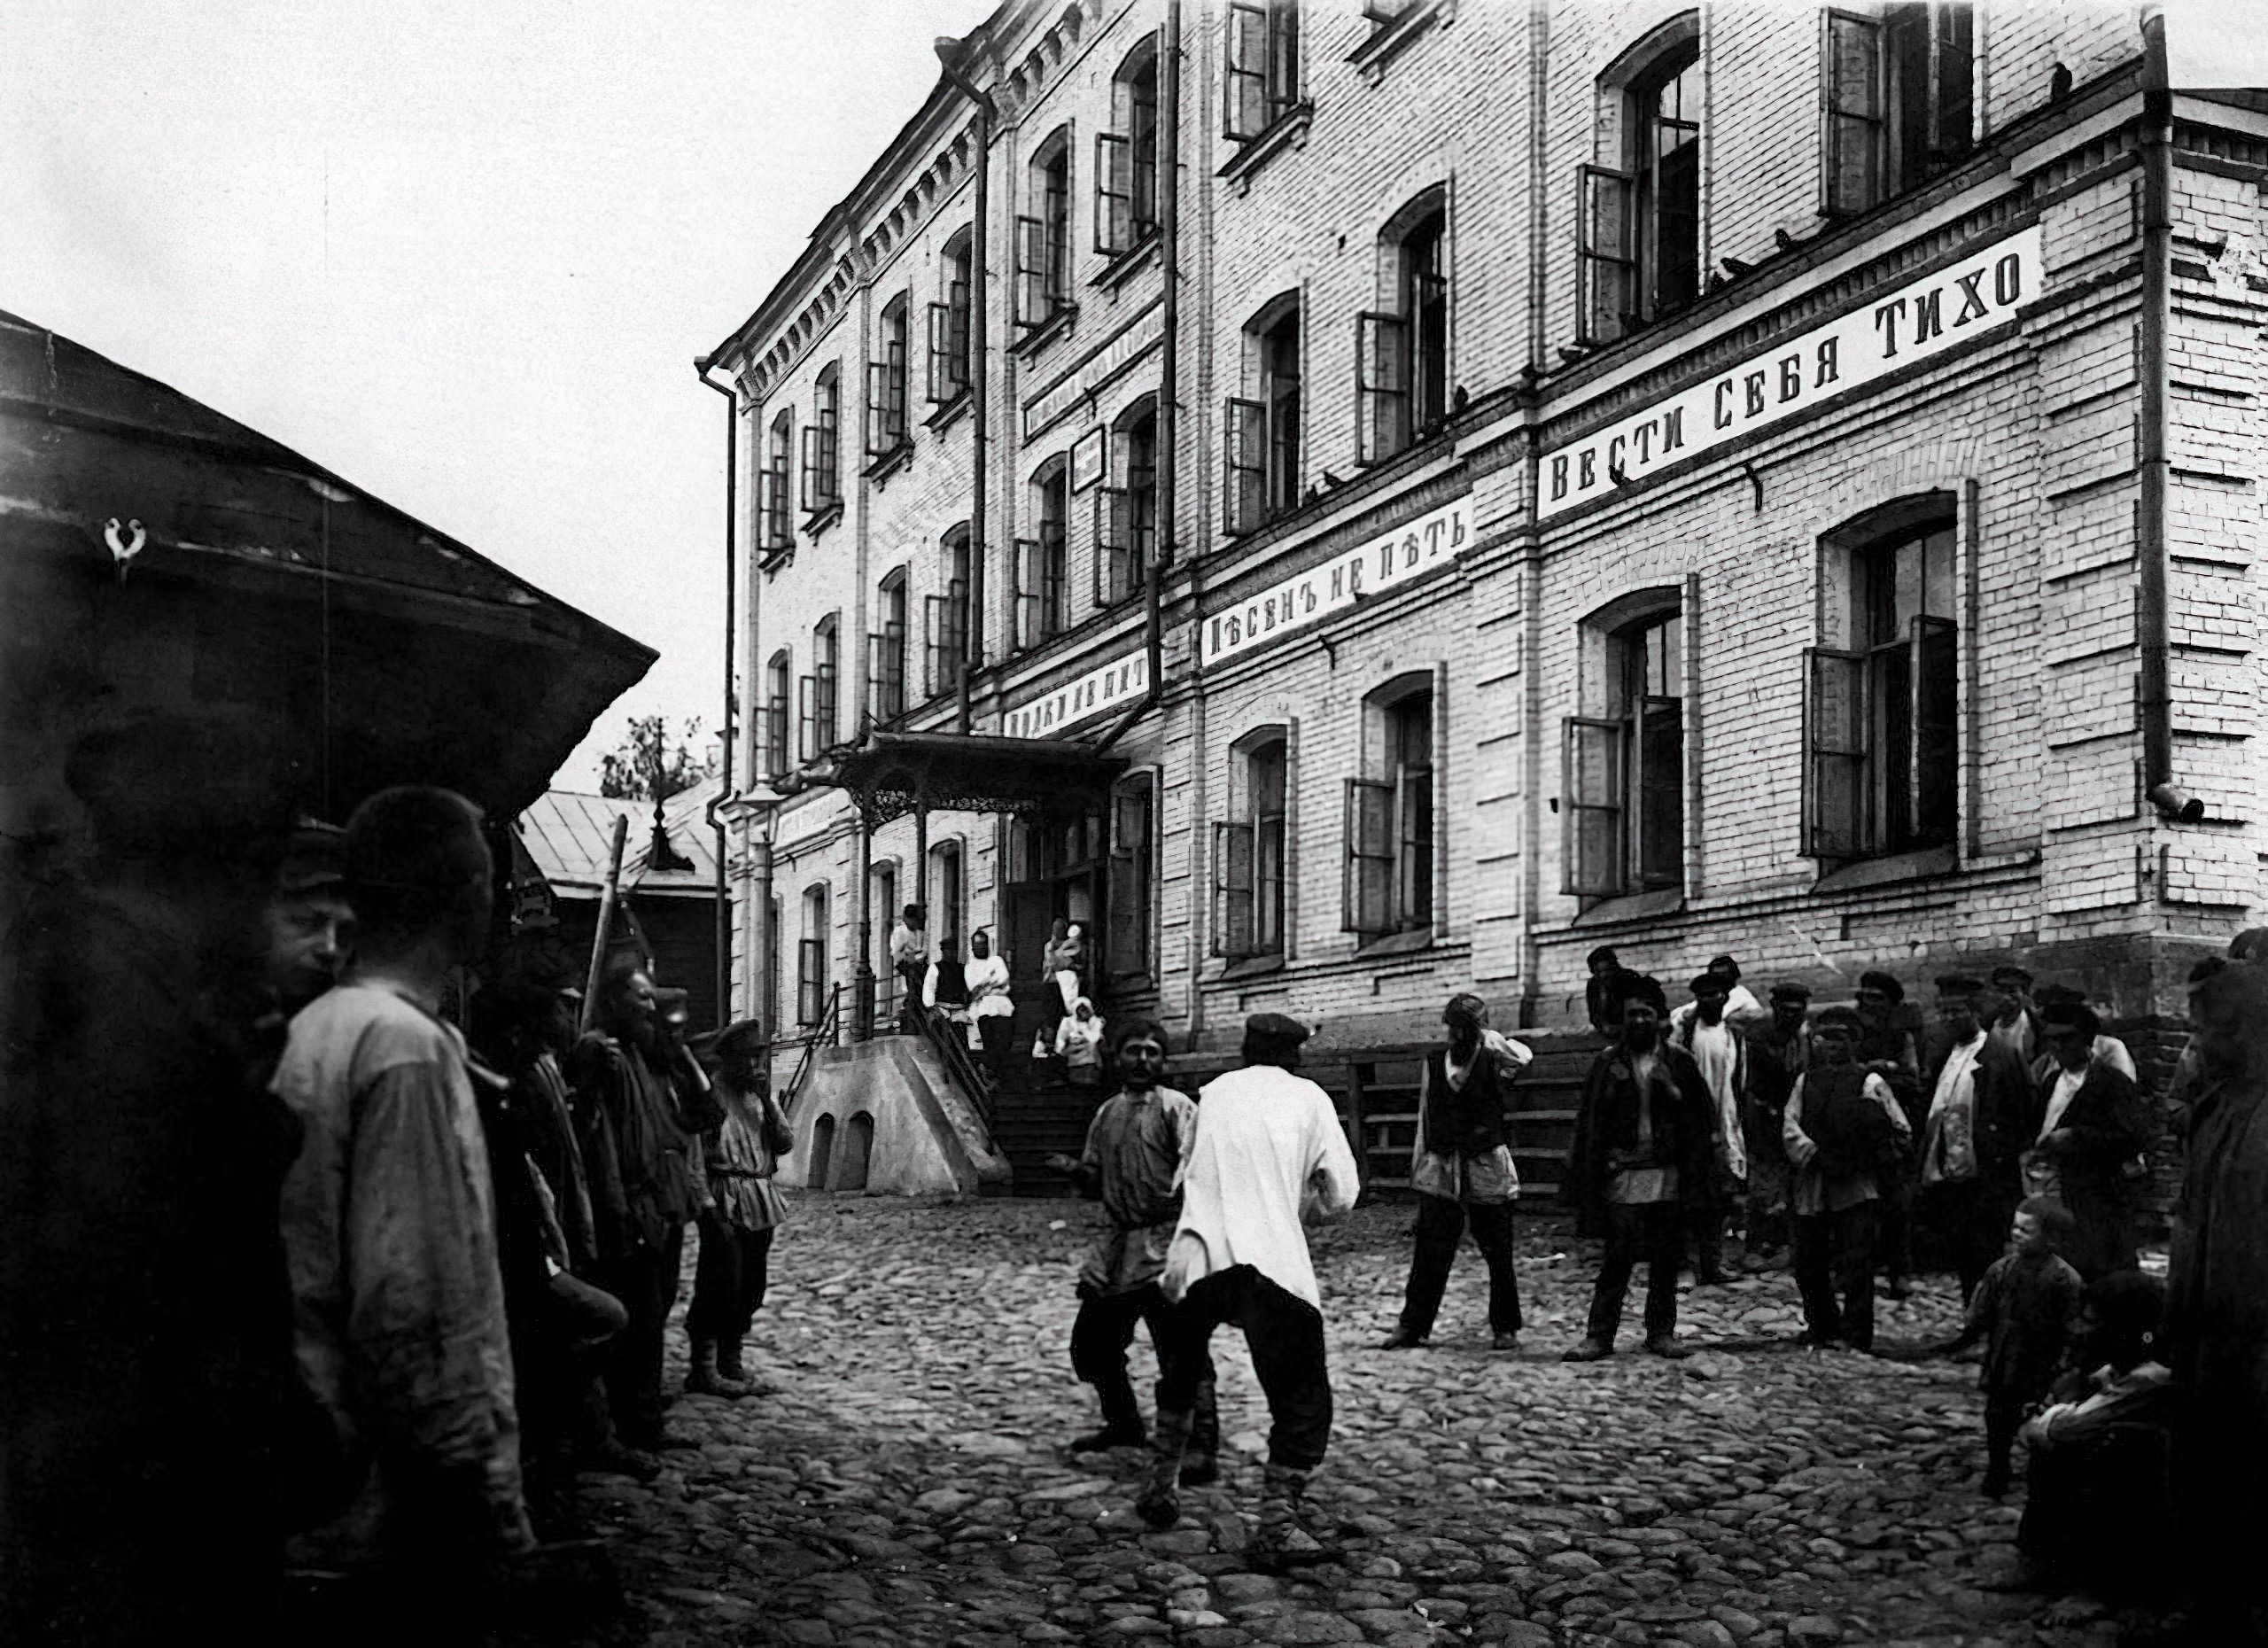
(891, 774)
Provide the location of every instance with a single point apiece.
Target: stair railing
(821, 1035)
(949, 1040)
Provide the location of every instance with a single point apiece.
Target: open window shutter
(1935, 767)
(878, 440)
(810, 979)
(936, 671)
(1032, 271)
(1658, 830)
(1233, 890)
(941, 388)
(1606, 274)
(1114, 193)
(1952, 63)
(829, 474)
(1591, 789)
(1244, 435)
(1027, 592)
(767, 508)
(1129, 852)
(1246, 83)
(814, 489)
(893, 670)
(1369, 883)
(1381, 386)
(894, 385)
(1852, 144)
(1834, 753)
(1114, 542)
(956, 335)
(806, 718)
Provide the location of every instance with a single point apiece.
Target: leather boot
(732, 1370)
(1202, 1463)
(704, 1378)
(1282, 1540)
(1160, 1505)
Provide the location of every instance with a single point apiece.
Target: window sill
(1038, 337)
(889, 464)
(776, 556)
(1131, 262)
(1898, 866)
(1390, 40)
(1253, 967)
(949, 412)
(1396, 944)
(1633, 907)
(818, 520)
(1287, 130)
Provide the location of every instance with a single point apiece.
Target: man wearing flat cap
(1845, 1133)
(740, 1155)
(2092, 1126)
(1269, 1153)
(1890, 1046)
(1973, 1134)
(1461, 1167)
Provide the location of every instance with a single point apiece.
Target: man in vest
(1843, 1129)
(1462, 1169)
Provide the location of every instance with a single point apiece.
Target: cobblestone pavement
(911, 1488)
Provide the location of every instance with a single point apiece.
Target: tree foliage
(649, 765)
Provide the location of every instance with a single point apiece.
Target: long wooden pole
(607, 901)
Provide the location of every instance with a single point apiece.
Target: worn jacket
(641, 1153)
(1606, 1132)
(2102, 1129)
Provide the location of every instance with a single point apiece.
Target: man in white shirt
(1270, 1152)
(1720, 1053)
(1741, 1009)
(909, 958)
(1968, 1135)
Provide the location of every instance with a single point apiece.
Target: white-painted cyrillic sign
(1306, 598)
(1909, 324)
(1116, 684)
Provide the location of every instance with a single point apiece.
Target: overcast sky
(464, 255)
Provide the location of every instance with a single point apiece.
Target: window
(811, 958)
(883, 894)
(948, 900)
(949, 326)
(1126, 517)
(1126, 948)
(1248, 903)
(947, 618)
(1882, 699)
(1622, 784)
(1402, 354)
(1389, 864)
(1262, 436)
(1264, 64)
(886, 434)
(773, 503)
(1639, 218)
(815, 713)
(1126, 159)
(822, 473)
(779, 680)
(1042, 561)
(1043, 242)
(885, 654)
(1898, 101)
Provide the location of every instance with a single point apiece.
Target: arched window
(948, 895)
(1640, 216)
(773, 498)
(1882, 706)
(1264, 434)
(822, 470)
(818, 690)
(811, 957)
(1389, 817)
(886, 658)
(1126, 158)
(1402, 350)
(1250, 908)
(1623, 784)
(949, 325)
(1044, 239)
(947, 616)
(1041, 559)
(1126, 516)
(886, 432)
(778, 683)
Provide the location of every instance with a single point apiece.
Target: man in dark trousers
(1462, 1169)
(741, 1156)
(1973, 1132)
(2091, 1129)
(1845, 1130)
(1646, 1153)
(1890, 1045)
(1778, 1050)
(642, 1161)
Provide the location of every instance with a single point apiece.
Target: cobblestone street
(912, 1488)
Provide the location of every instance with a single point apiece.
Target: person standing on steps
(1462, 1169)
(742, 1155)
(1844, 1131)
(909, 958)
(1270, 1154)
(1137, 1149)
(1642, 1166)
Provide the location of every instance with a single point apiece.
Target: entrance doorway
(1054, 869)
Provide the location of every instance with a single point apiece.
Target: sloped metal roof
(568, 834)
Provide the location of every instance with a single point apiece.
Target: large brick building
(1745, 480)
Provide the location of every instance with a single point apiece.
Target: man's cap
(2204, 969)
(1467, 1008)
(1276, 1027)
(2249, 945)
(1884, 983)
(2057, 995)
(1605, 952)
(672, 1005)
(2008, 973)
(1957, 987)
(2072, 1015)
(2234, 998)
(1710, 984)
(741, 1034)
(1790, 991)
(314, 856)
(1641, 987)
(1838, 1017)
(1725, 965)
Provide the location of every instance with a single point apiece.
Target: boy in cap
(1461, 1167)
(1645, 1154)
(1842, 1130)
(1137, 1149)
(1778, 1049)
(2023, 1311)
(742, 1155)
(2092, 1126)
(1269, 1153)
